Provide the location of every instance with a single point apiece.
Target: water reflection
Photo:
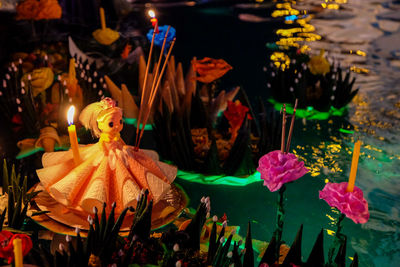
(350, 34)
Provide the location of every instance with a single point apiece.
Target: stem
(338, 239)
(280, 213)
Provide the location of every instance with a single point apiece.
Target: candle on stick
(153, 19)
(354, 165)
(72, 136)
(18, 260)
(102, 18)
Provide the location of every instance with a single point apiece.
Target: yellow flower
(105, 36)
(319, 64)
(41, 79)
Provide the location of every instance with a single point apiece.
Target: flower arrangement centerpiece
(206, 130)
(323, 89)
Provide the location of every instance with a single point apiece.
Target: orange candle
(73, 139)
(102, 18)
(18, 259)
(354, 165)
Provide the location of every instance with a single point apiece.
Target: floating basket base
(310, 113)
(62, 220)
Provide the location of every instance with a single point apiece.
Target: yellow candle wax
(72, 136)
(18, 252)
(102, 18)
(354, 165)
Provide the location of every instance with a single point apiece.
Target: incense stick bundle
(154, 89)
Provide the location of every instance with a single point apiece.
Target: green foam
(219, 179)
(310, 113)
(133, 121)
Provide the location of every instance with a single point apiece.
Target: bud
(229, 255)
(18, 101)
(176, 247)
(215, 218)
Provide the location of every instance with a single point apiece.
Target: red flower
(7, 247)
(235, 114)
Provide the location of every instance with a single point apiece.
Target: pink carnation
(277, 168)
(351, 204)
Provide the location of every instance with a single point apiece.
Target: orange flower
(210, 69)
(27, 9)
(49, 9)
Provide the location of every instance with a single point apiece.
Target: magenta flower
(351, 204)
(277, 168)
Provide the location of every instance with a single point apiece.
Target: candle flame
(152, 14)
(70, 115)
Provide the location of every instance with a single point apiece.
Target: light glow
(70, 115)
(151, 13)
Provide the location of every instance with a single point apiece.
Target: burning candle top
(73, 139)
(153, 19)
(70, 115)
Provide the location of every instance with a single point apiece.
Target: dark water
(374, 115)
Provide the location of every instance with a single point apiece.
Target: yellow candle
(72, 136)
(102, 18)
(354, 164)
(18, 252)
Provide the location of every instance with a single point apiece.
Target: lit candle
(72, 136)
(102, 18)
(153, 19)
(354, 164)
(17, 243)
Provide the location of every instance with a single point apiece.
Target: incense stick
(291, 126)
(145, 82)
(283, 129)
(159, 60)
(155, 90)
(153, 84)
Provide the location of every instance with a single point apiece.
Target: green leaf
(5, 177)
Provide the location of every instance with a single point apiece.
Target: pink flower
(351, 204)
(277, 168)
(108, 103)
